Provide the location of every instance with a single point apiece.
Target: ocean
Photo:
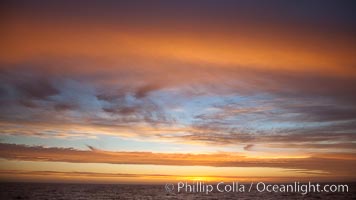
(64, 191)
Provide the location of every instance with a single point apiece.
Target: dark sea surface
(52, 191)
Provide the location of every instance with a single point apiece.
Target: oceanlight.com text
(296, 187)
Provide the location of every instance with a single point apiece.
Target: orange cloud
(28, 40)
(332, 164)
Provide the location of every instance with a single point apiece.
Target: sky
(159, 91)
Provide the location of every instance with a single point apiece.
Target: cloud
(290, 140)
(29, 97)
(306, 145)
(237, 86)
(78, 174)
(126, 108)
(248, 147)
(29, 85)
(323, 113)
(336, 164)
(272, 121)
(143, 91)
(64, 106)
(38, 89)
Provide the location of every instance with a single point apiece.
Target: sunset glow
(142, 92)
